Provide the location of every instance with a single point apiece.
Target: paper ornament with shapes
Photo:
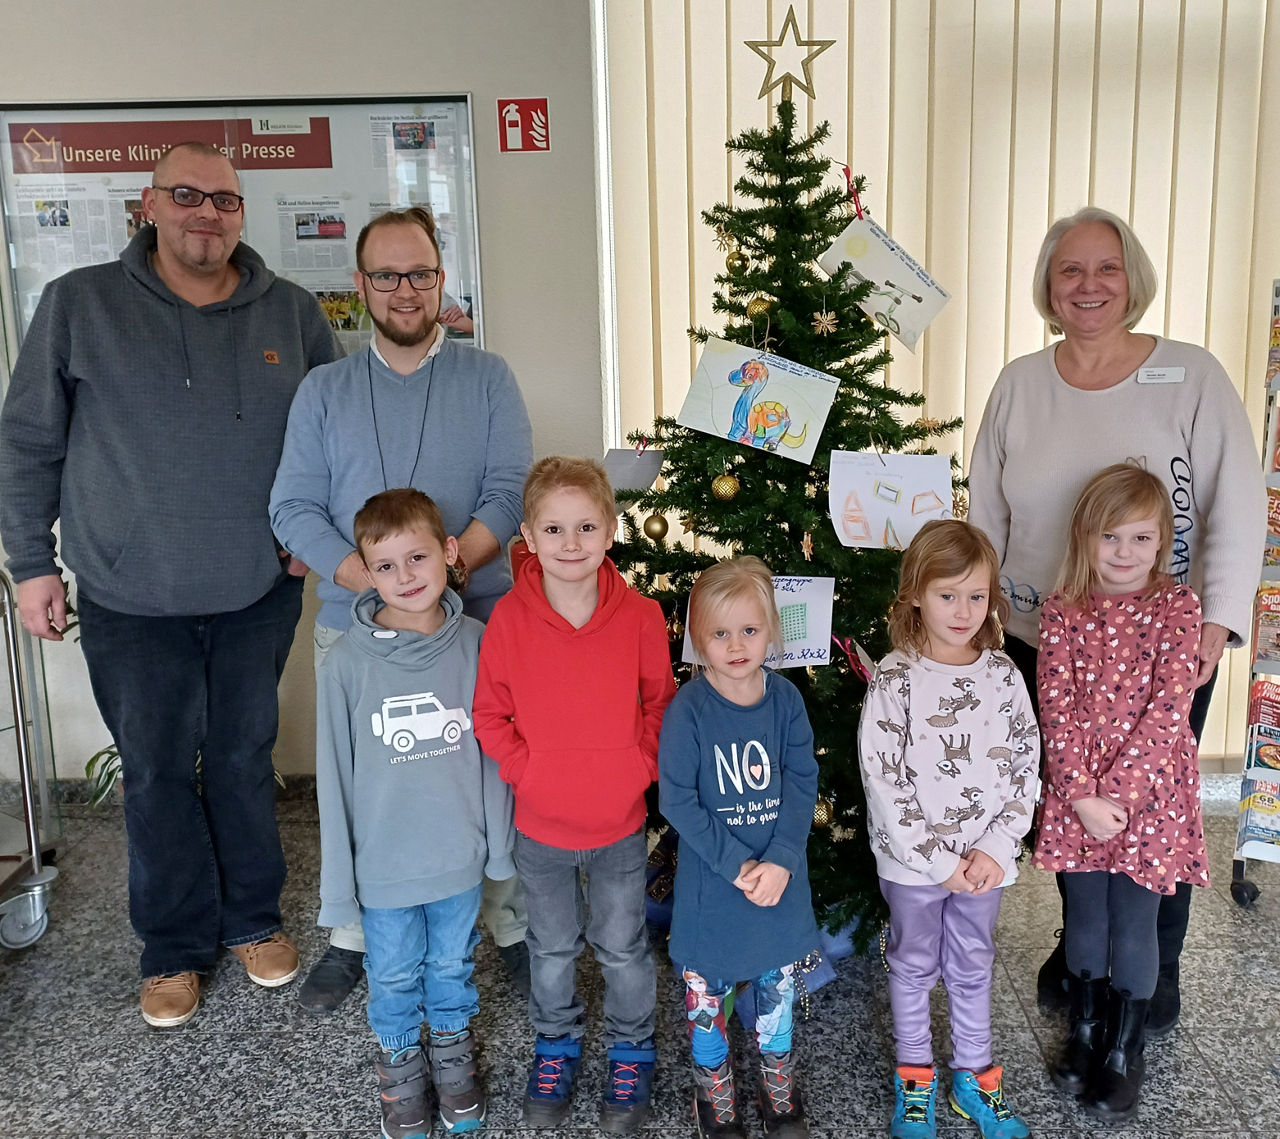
(758, 399)
(880, 500)
(903, 297)
(804, 609)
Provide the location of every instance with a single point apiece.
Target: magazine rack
(1258, 832)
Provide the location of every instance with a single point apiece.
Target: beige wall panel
(868, 101)
(1115, 85)
(1029, 205)
(985, 279)
(1073, 112)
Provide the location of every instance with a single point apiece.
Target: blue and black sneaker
(913, 1090)
(626, 1095)
(980, 1097)
(547, 1099)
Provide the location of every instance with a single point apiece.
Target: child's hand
(983, 873)
(741, 880)
(958, 883)
(1102, 818)
(764, 883)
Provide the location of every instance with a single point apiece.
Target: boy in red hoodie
(574, 676)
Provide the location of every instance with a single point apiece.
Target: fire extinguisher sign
(523, 125)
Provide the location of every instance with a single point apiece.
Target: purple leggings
(934, 932)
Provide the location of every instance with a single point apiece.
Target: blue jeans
(615, 927)
(205, 864)
(704, 998)
(419, 963)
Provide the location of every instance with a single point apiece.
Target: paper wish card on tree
(758, 400)
(804, 612)
(881, 501)
(903, 297)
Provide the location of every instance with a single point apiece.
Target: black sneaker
(331, 980)
(515, 960)
(404, 1094)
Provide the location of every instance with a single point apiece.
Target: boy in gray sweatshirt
(412, 814)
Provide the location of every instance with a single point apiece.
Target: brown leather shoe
(270, 962)
(170, 1000)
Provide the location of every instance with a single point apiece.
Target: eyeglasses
(228, 203)
(388, 281)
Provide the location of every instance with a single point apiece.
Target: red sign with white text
(523, 125)
(123, 147)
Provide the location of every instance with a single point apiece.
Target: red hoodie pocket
(564, 784)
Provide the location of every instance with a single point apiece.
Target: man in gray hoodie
(146, 413)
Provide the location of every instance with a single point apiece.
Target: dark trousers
(205, 864)
(1175, 908)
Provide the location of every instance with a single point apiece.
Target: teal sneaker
(913, 1090)
(980, 1098)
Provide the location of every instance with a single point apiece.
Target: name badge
(1161, 375)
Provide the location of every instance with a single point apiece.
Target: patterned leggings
(704, 999)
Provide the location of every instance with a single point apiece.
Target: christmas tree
(739, 499)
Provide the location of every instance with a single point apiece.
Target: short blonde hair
(945, 548)
(720, 585)
(557, 472)
(1116, 495)
(1137, 266)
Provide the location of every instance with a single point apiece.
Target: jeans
(615, 928)
(1112, 931)
(1175, 908)
(418, 959)
(205, 864)
(501, 904)
(934, 932)
(775, 994)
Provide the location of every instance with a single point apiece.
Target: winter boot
(913, 1090)
(781, 1108)
(1082, 1051)
(979, 1096)
(1051, 981)
(1166, 1003)
(1113, 1093)
(630, 1083)
(403, 1091)
(715, 1110)
(548, 1097)
(453, 1071)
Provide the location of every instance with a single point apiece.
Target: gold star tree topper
(798, 53)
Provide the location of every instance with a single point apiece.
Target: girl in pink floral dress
(1121, 813)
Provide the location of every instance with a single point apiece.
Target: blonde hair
(945, 548)
(556, 472)
(1137, 266)
(1116, 495)
(720, 585)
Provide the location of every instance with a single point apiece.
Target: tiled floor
(77, 1061)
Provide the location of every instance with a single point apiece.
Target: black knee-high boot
(1082, 1051)
(1113, 1093)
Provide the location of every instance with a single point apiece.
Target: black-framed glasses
(388, 280)
(222, 200)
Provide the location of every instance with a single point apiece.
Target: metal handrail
(26, 769)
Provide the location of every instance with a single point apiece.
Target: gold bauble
(737, 261)
(824, 814)
(757, 306)
(655, 527)
(724, 487)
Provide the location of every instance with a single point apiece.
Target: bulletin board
(312, 174)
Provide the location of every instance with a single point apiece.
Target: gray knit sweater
(152, 429)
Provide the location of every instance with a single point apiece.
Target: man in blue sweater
(146, 412)
(412, 410)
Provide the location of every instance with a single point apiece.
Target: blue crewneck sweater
(738, 782)
(152, 429)
(457, 427)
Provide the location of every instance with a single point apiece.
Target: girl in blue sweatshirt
(738, 781)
